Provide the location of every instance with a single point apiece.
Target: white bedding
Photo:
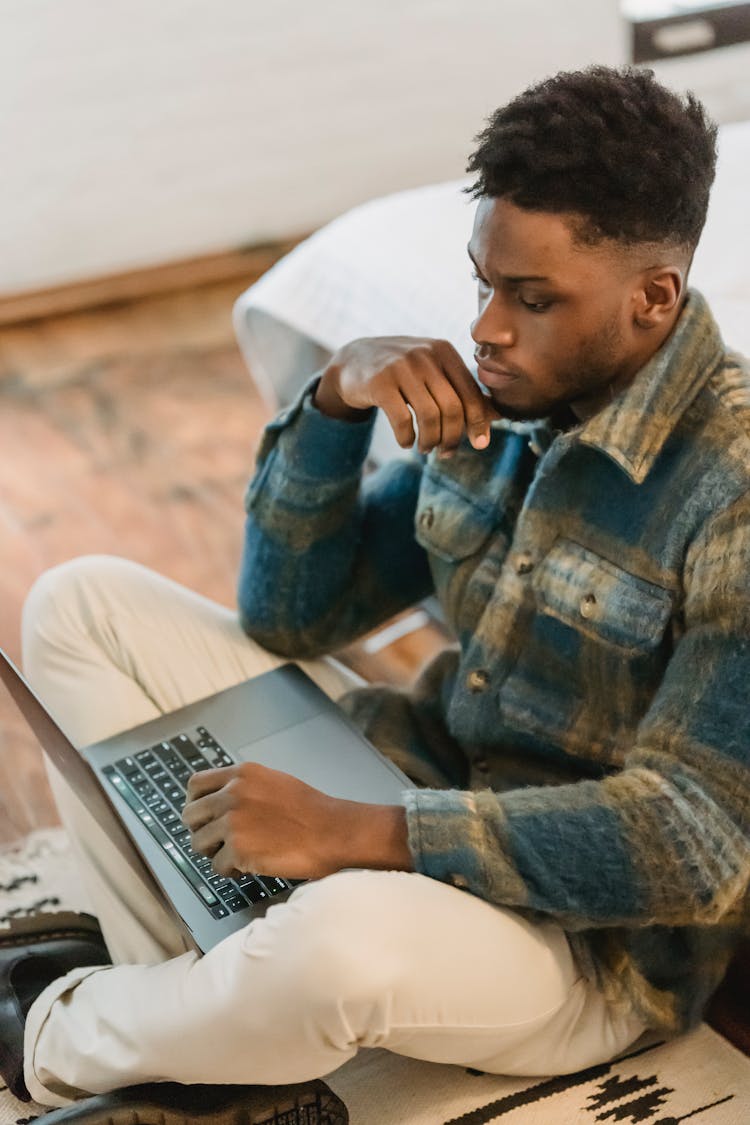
(398, 265)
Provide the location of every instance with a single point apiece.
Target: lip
(495, 376)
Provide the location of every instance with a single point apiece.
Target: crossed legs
(361, 958)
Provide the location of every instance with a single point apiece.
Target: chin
(524, 413)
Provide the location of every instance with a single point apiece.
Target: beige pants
(362, 958)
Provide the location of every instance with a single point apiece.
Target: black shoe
(170, 1103)
(34, 951)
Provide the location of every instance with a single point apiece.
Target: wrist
(328, 401)
(376, 837)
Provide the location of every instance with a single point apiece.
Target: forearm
(326, 556)
(373, 836)
(625, 851)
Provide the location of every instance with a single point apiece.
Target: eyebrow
(513, 279)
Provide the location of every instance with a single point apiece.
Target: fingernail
(445, 454)
(481, 441)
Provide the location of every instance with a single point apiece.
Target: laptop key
(190, 874)
(168, 817)
(168, 756)
(187, 748)
(203, 891)
(237, 902)
(143, 788)
(254, 891)
(225, 893)
(274, 885)
(218, 882)
(221, 759)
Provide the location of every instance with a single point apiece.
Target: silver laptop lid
(76, 770)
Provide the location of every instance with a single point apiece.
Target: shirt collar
(634, 427)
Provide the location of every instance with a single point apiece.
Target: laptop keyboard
(154, 784)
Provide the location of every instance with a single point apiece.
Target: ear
(658, 296)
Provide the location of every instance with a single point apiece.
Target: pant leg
(108, 644)
(347, 961)
(361, 958)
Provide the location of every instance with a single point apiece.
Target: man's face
(555, 321)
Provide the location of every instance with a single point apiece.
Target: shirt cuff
(449, 841)
(329, 446)
(318, 447)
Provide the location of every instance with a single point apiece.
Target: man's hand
(398, 372)
(252, 818)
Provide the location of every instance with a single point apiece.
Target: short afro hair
(632, 159)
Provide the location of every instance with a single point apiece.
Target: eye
(478, 278)
(536, 306)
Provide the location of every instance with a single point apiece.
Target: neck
(652, 340)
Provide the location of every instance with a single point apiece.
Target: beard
(589, 378)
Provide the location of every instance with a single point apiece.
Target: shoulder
(729, 388)
(717, 428)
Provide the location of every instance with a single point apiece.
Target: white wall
(720, 78)
(139, 131)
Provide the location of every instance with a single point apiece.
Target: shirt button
(477, 680)
(427, 518)
(524, 563)
(588, 605)
(459, 881)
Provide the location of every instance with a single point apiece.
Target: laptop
(134, 783)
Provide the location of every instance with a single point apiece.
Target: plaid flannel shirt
(582, 751)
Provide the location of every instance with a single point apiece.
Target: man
(580, 753)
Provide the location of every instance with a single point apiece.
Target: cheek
(560, 362)
(550, 351)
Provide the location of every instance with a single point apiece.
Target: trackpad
(326, 753)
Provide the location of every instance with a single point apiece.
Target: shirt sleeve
(328, 555)
(666, 840)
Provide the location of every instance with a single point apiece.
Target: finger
(210, 837)
(478, 409)
(208, 781)
(224, 862)
(394, 406)
(426, 410)
(451, 411)
(202, 810)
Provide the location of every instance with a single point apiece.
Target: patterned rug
(700, 1078)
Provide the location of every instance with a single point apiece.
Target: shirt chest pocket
(449, 523)
(601, 600)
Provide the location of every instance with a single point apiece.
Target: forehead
(512, 242)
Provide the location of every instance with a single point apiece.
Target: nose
(493, 326)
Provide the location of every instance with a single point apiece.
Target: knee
(337, 948)
(56, 603)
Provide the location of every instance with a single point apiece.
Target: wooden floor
(129, 430)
